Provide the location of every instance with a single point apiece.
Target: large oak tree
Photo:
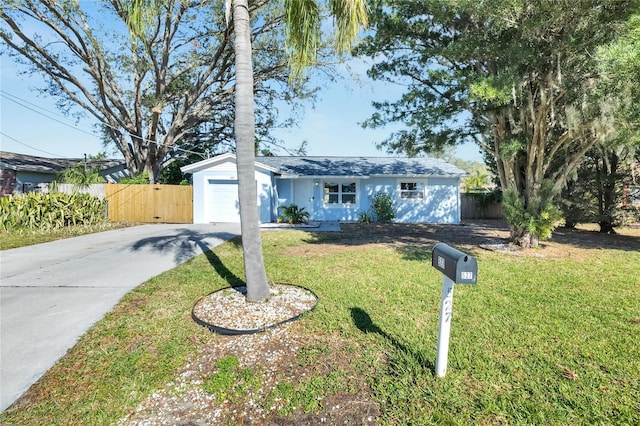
(149, 88)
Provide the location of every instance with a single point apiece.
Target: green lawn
(537, 341)
(26, 237)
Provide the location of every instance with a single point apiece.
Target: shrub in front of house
(293, 214)
(81, 175)
(382, 205)
(382, 209)
(366, 217)
(50, 210)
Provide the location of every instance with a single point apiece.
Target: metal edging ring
(237, 332)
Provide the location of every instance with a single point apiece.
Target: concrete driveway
(52, 293)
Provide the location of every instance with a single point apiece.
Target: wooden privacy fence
(472, 208)
(149, 203)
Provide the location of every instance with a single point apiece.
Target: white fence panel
(95, 189)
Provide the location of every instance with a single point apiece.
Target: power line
(22, 103)
(28, 146)
(19, 101)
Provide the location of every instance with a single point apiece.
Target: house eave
(210, 162)
(286, 176)
(419, 176)
(8, 166)
(397, 176)
(43, 165)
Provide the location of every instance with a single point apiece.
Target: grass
(232, 383)
(229, 377)
(25, 237)
(537, 341)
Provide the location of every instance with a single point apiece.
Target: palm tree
(256, 276)
(302, 19)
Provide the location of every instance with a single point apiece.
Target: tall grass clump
(48, 211)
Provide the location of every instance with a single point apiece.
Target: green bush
(536, 221)
(626, 215)
(50, 210)
(382, 206)
(81, 175)
(486, 199)
(365, 217)
(141, 179)
(293, 214)
(381, 210)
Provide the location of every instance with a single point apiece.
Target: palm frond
(302, 20)
(140, 14)
(350, 16)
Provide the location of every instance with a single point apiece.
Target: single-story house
(424, 190)
(21, 173)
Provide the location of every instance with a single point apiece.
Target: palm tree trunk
(256, 277)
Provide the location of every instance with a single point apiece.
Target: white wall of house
(441, 203)
(431, 200)
(420, 199)
(215, 195)
(310, 193)
(416, 199)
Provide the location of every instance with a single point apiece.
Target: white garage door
(222, 200)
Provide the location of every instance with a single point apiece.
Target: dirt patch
(280, 357)
(357, 236)
(492, 235)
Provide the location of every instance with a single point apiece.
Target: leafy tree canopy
(598, 189)
(154, 91)
(519, 77)
(619, 69)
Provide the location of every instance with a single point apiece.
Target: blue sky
(34, 126)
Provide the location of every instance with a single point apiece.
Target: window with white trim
(411, 190)
(340, 192)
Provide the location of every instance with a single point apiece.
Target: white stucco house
(424, 190)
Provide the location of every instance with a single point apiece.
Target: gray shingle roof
(360, 166)
(30, 163)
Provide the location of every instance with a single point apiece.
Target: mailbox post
(456, 267)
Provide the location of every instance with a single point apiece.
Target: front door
(303, 194)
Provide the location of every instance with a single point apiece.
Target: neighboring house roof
(30, 163)
(293, 167)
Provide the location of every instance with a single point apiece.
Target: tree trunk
(256, 277)
(607, 190)
(523, 238)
